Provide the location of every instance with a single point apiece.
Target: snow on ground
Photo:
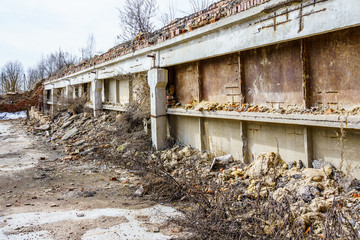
(131, 229)
(10, 116)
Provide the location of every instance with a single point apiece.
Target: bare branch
(197, 5)
(136, 17)
(89, 51)
(170, 13)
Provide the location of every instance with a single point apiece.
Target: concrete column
(308, 146)
(53, 101)
(202, 135)
(44, 100)
(81, 90)
(244, 140)
(96, 90)
(103, 90)
(157, 79)
(68, 93)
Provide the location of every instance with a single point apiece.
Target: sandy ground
(43, 196)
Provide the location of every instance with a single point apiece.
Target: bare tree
(197, 5)
(136, 17)
(33, 76)
(12, 74)
(89, 51)
(170, 14)
(56, 61)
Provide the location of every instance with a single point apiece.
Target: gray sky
(32, 28)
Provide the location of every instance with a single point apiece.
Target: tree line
(14, 78)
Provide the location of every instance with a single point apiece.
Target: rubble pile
(83, 136)
(312, 193)
(214, 106)
(269, 191)
(16, 102)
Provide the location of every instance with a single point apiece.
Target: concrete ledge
(331, 121)
(114, 108)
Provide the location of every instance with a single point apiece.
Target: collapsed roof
(213, 13)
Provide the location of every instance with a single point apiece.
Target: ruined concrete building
(241, 77)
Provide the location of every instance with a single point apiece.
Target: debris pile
(223, 198)
(84, 137)
(16, 102)
(312, 195)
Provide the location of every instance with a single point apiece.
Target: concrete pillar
(53, 101)
(308, 146)
(244, 140)
(81, 90)
(68, 93)
(96, 91)
(44, 100)
(103, 90)
(157, 79)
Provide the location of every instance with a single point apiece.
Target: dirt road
(43, 196)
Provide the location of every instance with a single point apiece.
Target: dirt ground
(43, 196)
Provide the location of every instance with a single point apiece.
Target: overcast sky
(32, 28)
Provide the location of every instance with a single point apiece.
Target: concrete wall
(334, 68)
(111, 90)
(187, 129)
(223, 137)
(341, 150)
(319, 71)
(265, 137)
(274, 75)
(303, 53)
(124, 91)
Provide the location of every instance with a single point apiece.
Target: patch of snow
(11, 116)
(131, 229)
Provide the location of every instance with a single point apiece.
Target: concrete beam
(157, 80)
(328, 121)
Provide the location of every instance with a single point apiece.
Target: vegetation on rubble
(267, 199)
(218, 206)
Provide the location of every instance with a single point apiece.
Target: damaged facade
(241, 77)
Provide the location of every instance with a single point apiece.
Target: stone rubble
(240, 108)
(312, 191)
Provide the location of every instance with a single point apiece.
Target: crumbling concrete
(260, 71)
